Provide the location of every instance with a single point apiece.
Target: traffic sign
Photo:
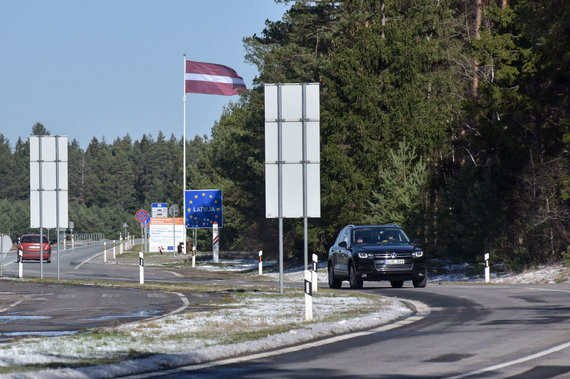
(142, 215)
(5, 243)
(159, 210)
(203, 208)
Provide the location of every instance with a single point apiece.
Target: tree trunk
(478, 17)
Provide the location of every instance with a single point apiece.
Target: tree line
(449, 117)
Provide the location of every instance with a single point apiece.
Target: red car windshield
(33, 239)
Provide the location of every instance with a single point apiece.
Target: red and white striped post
(215, 242)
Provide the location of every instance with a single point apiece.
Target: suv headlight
(364, 255)
(418, 254)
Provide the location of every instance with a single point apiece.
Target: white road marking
(86, 260)
(11, 305)
(499, 366)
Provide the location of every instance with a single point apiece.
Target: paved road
(29, 308)
(50, 309)
(506, 331)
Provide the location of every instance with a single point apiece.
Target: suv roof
(373, 226)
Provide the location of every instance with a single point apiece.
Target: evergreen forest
(448, 117)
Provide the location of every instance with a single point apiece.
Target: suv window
(344, 235)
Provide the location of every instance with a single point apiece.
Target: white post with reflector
(487, 269)
(260, 263)
(104, 252)
(114, 252)
(314, 275)
(20, 264)
(215, 242)
(193, 256)
(141, 267)
(308, 296)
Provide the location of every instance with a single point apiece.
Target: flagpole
(184, 164)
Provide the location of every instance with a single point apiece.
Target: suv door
(344, 253)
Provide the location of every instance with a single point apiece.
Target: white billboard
(292, 144)
(48, 182)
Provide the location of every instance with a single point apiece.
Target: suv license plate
(394, 262)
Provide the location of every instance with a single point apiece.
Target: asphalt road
(48, 309)
(479, 331)
(475, 331)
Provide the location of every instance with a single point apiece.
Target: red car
(31, 249)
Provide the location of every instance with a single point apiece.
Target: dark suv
(377, 252)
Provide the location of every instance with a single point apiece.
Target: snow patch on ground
(190, 338)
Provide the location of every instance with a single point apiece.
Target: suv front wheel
(333, 281)
(355, 282)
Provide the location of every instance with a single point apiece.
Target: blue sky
(108, 68)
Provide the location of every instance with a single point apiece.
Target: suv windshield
(379, 235)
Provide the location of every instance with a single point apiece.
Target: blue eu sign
(203, 208)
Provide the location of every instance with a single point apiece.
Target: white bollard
(260, 263)
(487, 269)
(114, 256)
(20, 264)
(104, 252)
(141, 267)
(193, 256)
(314, 274)
(308, 297)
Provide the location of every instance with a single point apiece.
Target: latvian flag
(212, 79)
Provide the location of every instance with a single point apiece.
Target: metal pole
(41, 193)
(304, 126)
(184, 158)
(280, 184)
(57, 189)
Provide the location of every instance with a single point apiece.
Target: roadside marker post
(121, 243)
(487, 269)
(20, 264)
(308, 297)
(215, 242)
(114, 255)
(260, 263)
(141, 267)
(314, 275)
(104, 252)
(193, 256)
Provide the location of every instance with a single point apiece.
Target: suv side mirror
(342, 244)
